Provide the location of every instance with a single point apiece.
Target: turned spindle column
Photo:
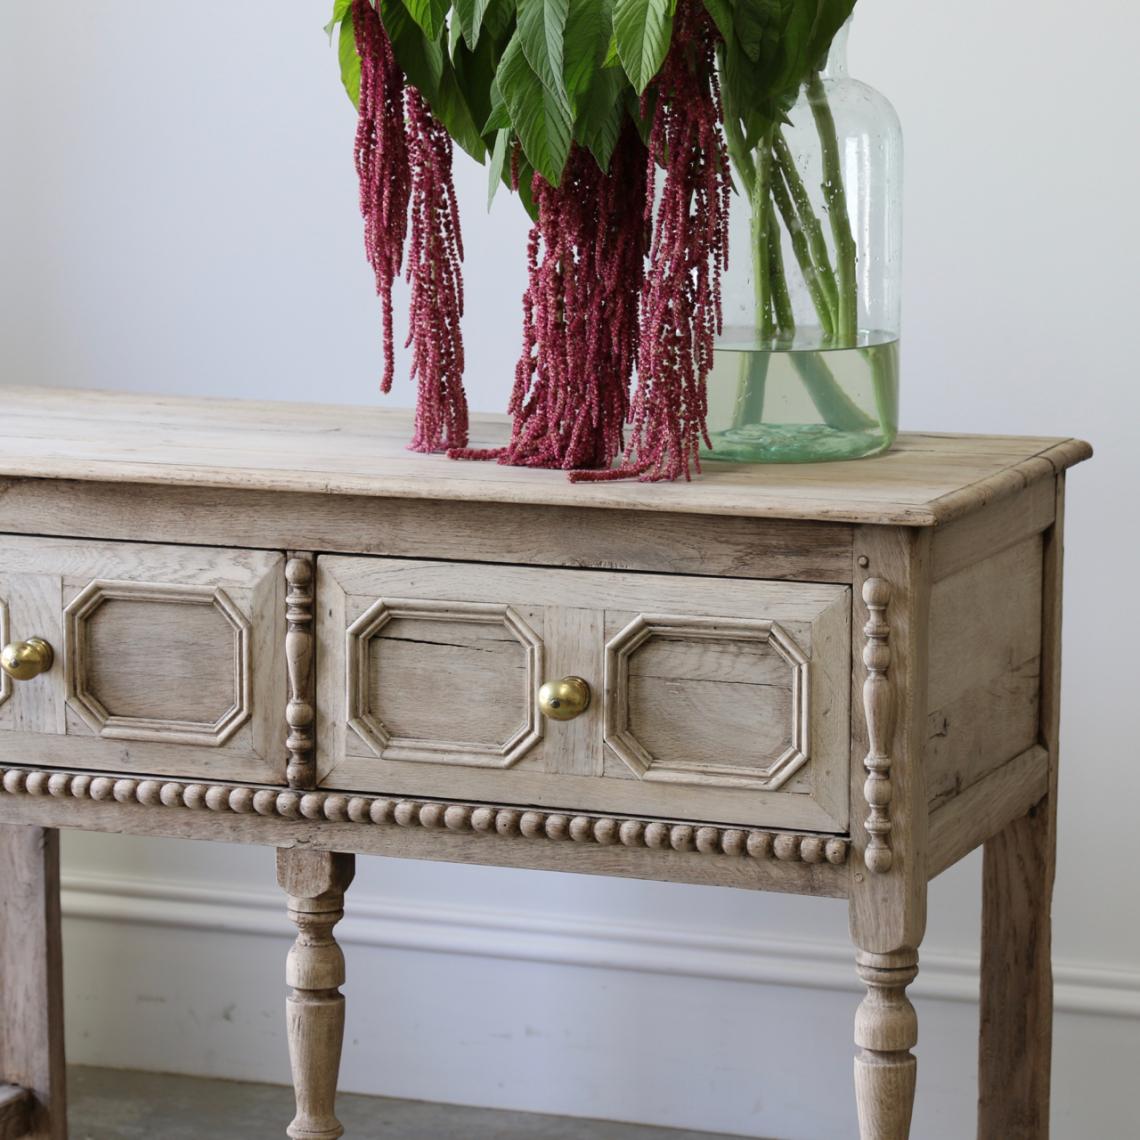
(299, 713)
(315, 882)
(889, 826)
(886, 1029)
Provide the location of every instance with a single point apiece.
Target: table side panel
(983, 696)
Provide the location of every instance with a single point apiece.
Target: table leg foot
(315, 882)
(886, 1029)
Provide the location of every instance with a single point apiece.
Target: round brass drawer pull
(564, 699)
(23, 660)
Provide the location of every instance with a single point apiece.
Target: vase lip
(835, 66)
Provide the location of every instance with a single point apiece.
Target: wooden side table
(271, 624)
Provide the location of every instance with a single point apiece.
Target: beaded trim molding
(335, 807)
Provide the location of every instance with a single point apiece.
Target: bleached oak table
(272, 624)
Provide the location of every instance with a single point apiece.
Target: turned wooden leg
(886, 1029)
(315, 882)
(31, 982)
(1015, 1049)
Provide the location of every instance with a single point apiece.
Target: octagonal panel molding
(463, 711)
(702, 706)
(153, 659)
(5, 631)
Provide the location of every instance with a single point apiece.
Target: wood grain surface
(208, 442)
(31, 980)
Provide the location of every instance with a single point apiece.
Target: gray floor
(108, 1104)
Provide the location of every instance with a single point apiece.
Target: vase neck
(836, 65)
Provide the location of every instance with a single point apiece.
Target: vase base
(794, 443)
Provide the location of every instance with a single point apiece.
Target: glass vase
(807, 368)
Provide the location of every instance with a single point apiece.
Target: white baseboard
(1081, 987)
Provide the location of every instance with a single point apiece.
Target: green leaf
(589, 26)
(420, 58)
(526, 196)
(721, 13)
(451, 108)
(470, 15)
(830, 17)
(346, 48)
(794, 46)
(643, 29)
(541, 29)
(500, 117)
(498, 163)
(431, 15)
(600, 116)
(540, 119)
(778, 43)
(761, 24)
(342, 9)
(430, 71)
(478, 16)
(500, 21)
(475, 76)
(744, 92)
(349, 60)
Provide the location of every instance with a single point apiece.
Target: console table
(270, 623)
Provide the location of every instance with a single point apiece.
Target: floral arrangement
(623, 127)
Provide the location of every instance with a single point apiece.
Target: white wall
(177, 213)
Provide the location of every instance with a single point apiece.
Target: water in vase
(802, 401)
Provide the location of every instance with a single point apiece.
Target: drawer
(168, 660)
(711, 699)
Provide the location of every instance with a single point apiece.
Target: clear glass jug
(807, 368)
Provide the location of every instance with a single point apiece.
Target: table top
(83, 434)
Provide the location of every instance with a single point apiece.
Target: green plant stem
(884, 365)
(781, 298)
(752, 382)
(809, 220)
(739, 154)
(802, 249)
(776, 191)
(762, 241)
(748, 407)
(847, 318)
(838, 410)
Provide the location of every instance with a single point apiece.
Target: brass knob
(23, 660)
(564, 699)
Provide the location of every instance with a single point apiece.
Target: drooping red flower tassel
(436, 278)
(680, 299)
(580, 314)
(403, 161)
(381, 163)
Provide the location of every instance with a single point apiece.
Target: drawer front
(168, 660)
(713, 699)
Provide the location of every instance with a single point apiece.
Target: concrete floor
(109, 1104)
